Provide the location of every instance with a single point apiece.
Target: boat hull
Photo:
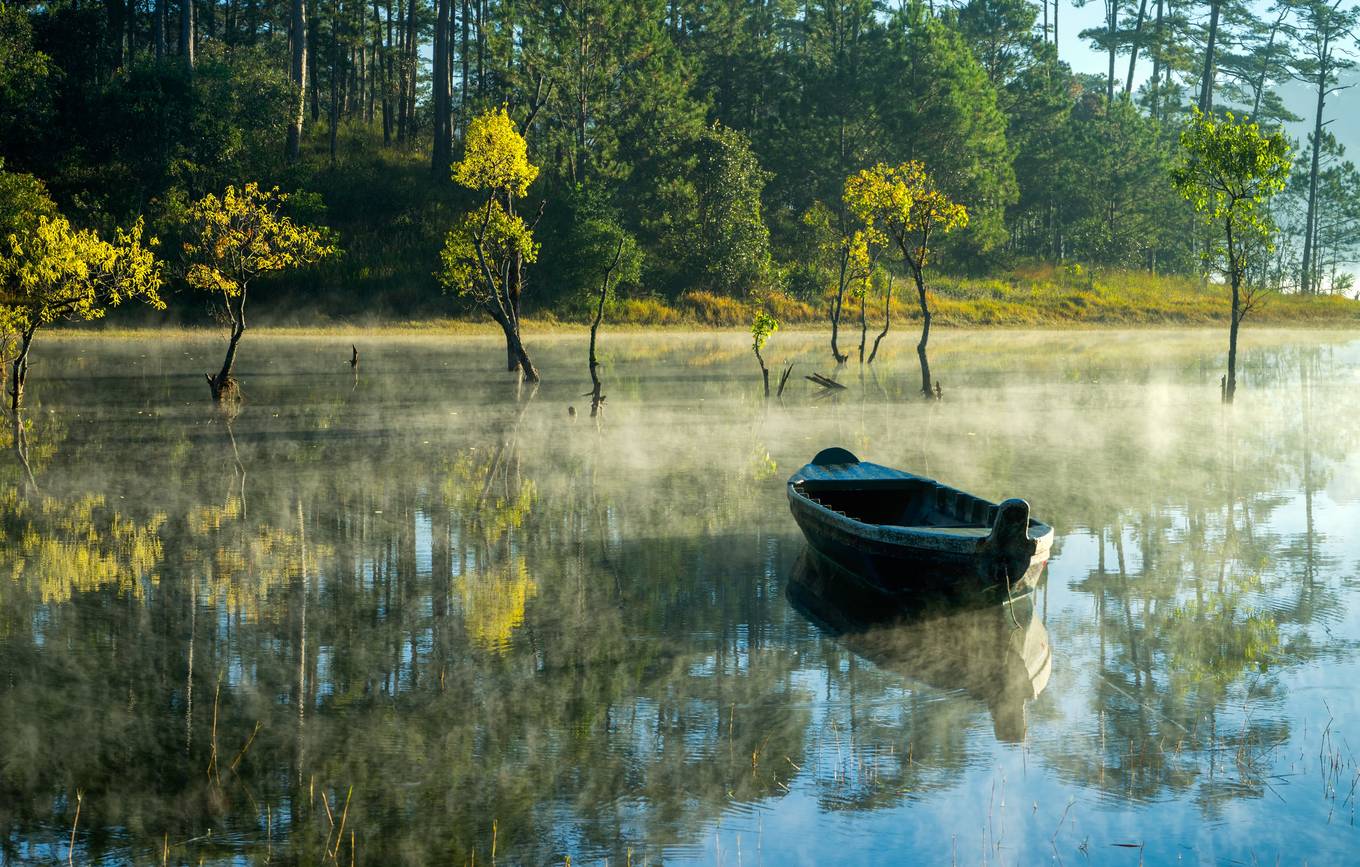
(902, 534)
(895, 569)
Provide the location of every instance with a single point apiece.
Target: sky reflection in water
(435, 610)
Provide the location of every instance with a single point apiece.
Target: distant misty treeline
(708, 130)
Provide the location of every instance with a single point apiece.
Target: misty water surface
(424, 616)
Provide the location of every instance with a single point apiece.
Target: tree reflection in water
(457, 620)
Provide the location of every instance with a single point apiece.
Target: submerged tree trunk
(512, 360)
(515, 347)
(764, 371)
(863, 322)
(20, 371)
(21, 451)
(837, 307)
(1235, 275)
(223, 385)
(925, 330)
(887, 319)
(597, 399)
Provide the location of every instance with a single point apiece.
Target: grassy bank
(1035, 297)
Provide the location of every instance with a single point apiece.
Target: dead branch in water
(824, 381)
(783, 380)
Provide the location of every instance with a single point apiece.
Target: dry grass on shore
(1029, 297)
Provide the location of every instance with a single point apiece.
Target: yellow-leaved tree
(52, 272)
(484, 254)
(902, 205)
(844, 251)
(237, 238)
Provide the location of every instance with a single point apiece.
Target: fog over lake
(422, 614)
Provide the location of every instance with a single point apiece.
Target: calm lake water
(424, 616)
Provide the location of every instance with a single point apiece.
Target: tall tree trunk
(158, 30)
(1157, 63)
(386, 74)
(297, 73)
(1135, 44)
(481, 48)
(463, 61)
(336, 89)
(1265, 64)
(412, 65)
(440, 156)
(403, 12)
(186, 32)
(1206, 89)
(1112, 8)
(313, 65)
(1307, 279)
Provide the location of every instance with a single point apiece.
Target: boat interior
(903, 503)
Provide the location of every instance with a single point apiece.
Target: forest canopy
(705, 131)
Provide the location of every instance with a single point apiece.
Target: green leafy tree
(234, 240)
(25, 84)
(53, 272)
(902, 205)
(731, 240)
(762, 326)
(1229, 171)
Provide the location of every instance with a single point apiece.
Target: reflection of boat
(903, 533)
(997, 652)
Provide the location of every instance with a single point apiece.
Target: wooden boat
(902, 533)
(997, 651)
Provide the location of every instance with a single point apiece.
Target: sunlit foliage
(57, 272)
(762, 326)
(245, 234)
(485, 252)
(477, 250)
(902, 204)
(496, 156)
